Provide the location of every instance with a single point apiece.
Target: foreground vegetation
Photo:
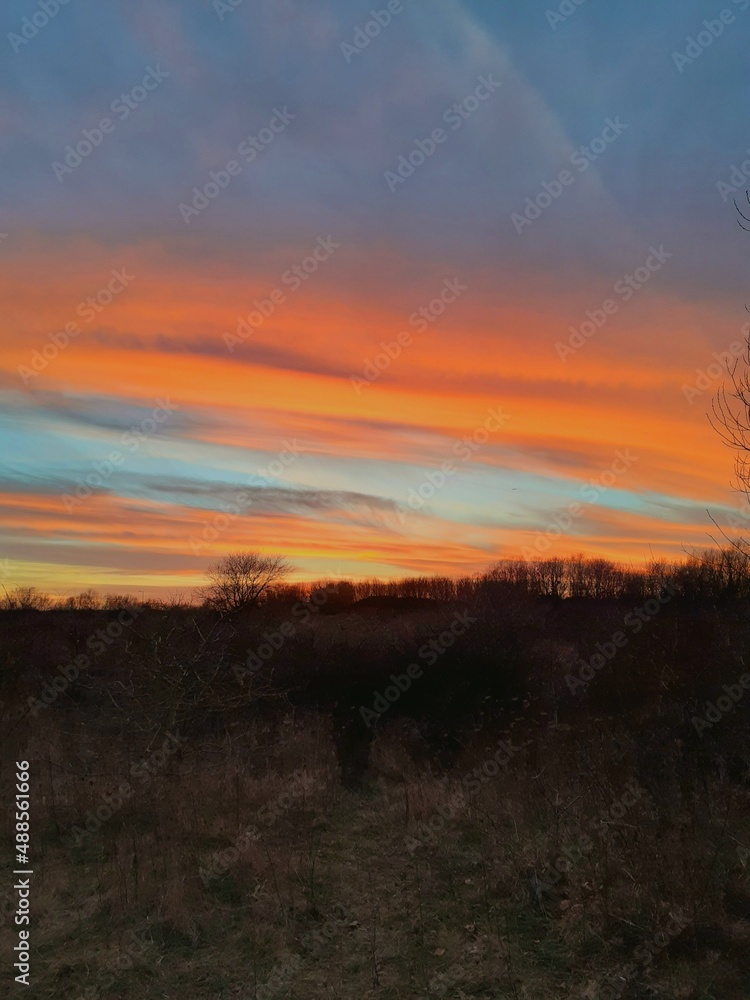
(192, 836)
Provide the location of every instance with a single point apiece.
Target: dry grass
(469, 906)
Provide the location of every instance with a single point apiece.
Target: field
(192, 835)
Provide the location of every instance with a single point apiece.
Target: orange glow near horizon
(162, 339)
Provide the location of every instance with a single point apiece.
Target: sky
(388, 290)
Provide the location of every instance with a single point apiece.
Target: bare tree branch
(242, 580)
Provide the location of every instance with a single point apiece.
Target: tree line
(249, 580)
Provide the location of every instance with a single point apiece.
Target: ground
(572, 864)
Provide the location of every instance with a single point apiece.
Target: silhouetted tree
(242, 579)
(730, 416)
(730, 408)
(88, 600)
(25, 598)
(114, 602)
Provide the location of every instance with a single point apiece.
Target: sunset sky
(544, 158)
